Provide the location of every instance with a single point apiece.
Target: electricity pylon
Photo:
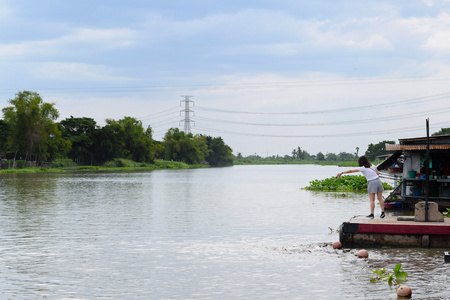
(187, 113)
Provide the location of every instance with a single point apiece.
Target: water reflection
(240, 232)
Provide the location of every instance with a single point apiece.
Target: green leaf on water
(401, 276)
(397, 269)
(395, 278)
(390, 279)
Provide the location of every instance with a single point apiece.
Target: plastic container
(412, 174)
(416, 192)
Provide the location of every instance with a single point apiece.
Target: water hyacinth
(350, 183)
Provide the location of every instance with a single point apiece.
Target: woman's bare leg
(380, 199)
(372, 203)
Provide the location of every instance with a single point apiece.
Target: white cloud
(274, 49)
(271, 32)
(266, 59)
(110, 38)
(5, 9)
(432, 33)
(439, 41)
(74, 72)
(80, 39)
(376, 41)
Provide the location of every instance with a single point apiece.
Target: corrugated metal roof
(395, 147)
(419, 139)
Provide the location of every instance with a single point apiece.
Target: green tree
(56, 146)
(108, 143)
(182, 147)
(305, 154)
(220, 155)
(443, 131)
(5, 131)
(345, 156)
(331, 156)
(124, 138)
(138, 144)
(202, 144)
(31, 119)
(378, 149)
(300, 154)
(80, 132)
(159, 149)
(320, 156)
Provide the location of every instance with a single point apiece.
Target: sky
(266, 76)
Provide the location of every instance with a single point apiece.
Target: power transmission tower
(187, 113)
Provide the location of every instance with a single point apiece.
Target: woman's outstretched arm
(346, 171)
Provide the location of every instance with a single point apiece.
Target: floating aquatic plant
(392, 278)
(350, 183)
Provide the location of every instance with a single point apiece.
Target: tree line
(28, 131)
(299, 155)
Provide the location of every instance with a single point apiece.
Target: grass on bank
(115, 165)
(120, 164)
(283, 161)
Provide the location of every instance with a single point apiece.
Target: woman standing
(374, 185)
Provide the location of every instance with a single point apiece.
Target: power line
(347, 122)
(395, 130)
(296, 83)
(188, 118)
(156, 115)
(387, 104)
(165, 122)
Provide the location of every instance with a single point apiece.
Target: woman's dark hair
(363, 161)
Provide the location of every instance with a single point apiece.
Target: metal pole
(427, 174)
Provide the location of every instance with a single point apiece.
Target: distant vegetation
(299, 156)
(443, 131)
(284, 161)
(29, 137)
(116, 165)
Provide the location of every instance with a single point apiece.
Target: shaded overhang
(390, 160)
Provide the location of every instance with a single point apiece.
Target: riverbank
(158, 165)
(283, 161)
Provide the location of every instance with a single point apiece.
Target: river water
(243, 232)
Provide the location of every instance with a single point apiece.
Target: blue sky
(266, 76)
